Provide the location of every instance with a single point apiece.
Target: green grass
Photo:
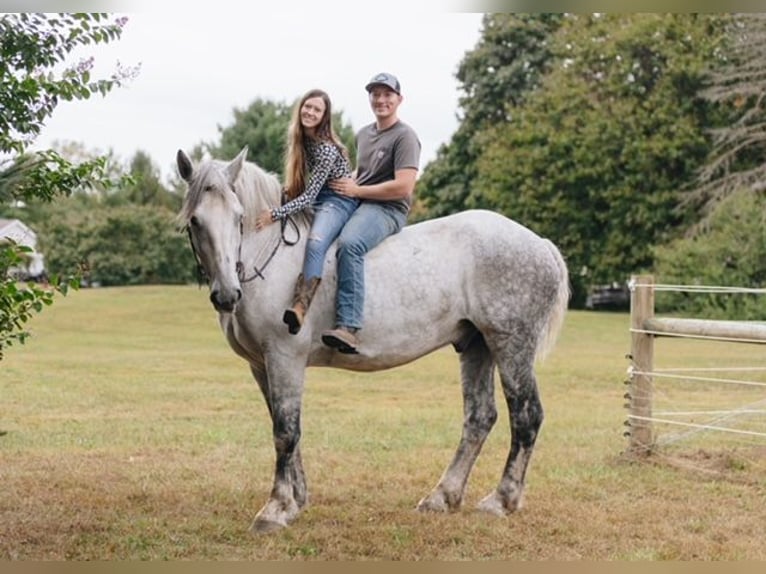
(132, 431)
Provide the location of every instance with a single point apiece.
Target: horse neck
(257, 191)
(280, 246)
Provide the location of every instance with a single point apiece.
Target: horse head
(213, 215)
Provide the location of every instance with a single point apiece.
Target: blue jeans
(331, 212)
(370, 224)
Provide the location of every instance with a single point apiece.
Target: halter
(202, 275)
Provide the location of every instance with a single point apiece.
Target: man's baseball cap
(384, 79)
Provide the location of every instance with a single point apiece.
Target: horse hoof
(263, 526)
(494, 504)
(440, 501)
(430, 505)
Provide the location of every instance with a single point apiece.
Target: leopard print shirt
(325, 162)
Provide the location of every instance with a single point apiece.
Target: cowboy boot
(341, 338)
(304, 293)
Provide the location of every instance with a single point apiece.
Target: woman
(314, 156)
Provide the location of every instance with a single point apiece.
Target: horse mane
(256, 189)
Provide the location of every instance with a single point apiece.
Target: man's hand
(344, 186)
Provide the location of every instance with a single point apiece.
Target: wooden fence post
(642, 359)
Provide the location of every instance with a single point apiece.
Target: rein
(258, 272)
(202, 275)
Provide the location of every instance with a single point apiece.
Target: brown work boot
(304, 293)
(341, 338)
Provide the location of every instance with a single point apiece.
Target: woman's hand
(263, 220)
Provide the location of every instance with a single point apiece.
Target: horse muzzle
(224, 300)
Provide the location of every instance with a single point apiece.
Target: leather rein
(202, 275)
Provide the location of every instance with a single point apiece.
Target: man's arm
(401, 187)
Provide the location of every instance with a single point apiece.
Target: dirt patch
(743, 465)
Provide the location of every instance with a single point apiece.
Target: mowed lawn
(129, 430)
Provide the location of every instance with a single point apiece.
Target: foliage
(738, 159)
(263, 128)
(595, 160)
(33, 46)
(122, 244)
(18, 302)
(46, 174)
(145, 187)
(728, 251)
(506, 65)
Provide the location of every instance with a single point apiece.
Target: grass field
(129, 430)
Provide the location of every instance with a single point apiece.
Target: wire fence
(704, 398)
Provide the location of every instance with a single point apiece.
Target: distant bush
(730, 252)
(118, 245)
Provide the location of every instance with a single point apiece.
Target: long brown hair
(295, 156)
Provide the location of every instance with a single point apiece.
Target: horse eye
(194, 222)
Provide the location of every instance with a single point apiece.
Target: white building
(19, 233)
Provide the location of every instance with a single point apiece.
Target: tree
(737, 162)
(33, 46)
(138, 245)
(145, 187)
(597, 158)
(263, 128)
(729, 251)
(506, 65)
(115, 243)
(123, 236)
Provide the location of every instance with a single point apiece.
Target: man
(388, 157)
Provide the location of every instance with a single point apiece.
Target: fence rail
(644, 328)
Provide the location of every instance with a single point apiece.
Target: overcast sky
(197, 67)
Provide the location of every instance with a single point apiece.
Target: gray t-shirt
(381, 153)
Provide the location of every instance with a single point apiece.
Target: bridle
(258, 271)
(202, 275)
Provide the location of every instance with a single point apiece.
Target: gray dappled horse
(489, 286)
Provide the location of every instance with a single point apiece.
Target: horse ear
(236, 164)
(185, 168)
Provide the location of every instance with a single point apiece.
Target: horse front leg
(300, 491)
(283, 390)
(526, 413)
(479, 415)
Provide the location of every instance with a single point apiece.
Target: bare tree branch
(738, 161)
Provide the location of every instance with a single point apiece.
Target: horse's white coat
(476, 279)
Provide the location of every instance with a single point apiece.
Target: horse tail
(552, 328)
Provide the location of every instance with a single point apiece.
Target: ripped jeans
(331, 212)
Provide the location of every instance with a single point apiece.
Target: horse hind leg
(515, 364)
(479, 415)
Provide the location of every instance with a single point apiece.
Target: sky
(197, 67)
